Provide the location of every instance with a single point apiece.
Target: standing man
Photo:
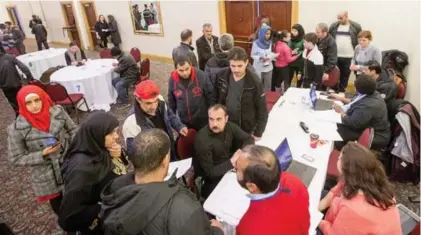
(327, 46)
(216, 147)
(10, 80)
(18, 37)
(207, 45)
(345, 32)
(129, 72)
(189, 94)
(185, 49)
(241, 91)
(151, 111)
(40, 35)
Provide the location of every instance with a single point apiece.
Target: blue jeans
(121, 86)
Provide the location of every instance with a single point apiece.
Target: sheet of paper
(181, 166)
(325, 130)
(325, 115)
(228, 201)
(315, 219)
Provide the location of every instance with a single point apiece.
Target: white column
(81, 24)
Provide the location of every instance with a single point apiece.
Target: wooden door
(279, 13)
(70, 20)
(14, 18)
(90, 20)
(239, 20)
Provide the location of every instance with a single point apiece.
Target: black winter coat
(204, 50)
(9, 75)
(327, 46)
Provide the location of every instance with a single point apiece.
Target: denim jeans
(121, 86)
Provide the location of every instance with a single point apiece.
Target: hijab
(261, 40)
(41, 120)
(300, 34)
(89, 145)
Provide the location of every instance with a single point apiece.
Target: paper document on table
(326, 115)
(325, 130)
(315, 221)
(181, 166)
(228, 201)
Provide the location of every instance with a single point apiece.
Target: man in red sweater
(279, 201)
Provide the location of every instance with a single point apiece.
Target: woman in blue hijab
(262, 55)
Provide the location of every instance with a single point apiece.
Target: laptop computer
(319, 104)
(304, 172)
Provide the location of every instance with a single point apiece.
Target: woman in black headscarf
(297, 46)
(94, 159)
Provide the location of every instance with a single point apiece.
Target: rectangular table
(283, 122)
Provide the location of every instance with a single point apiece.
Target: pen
(282, 102)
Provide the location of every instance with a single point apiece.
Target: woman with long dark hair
(297, 46)
(101, 28)
(363, 202)
(113, 29)
(94, 159)
(39, 138)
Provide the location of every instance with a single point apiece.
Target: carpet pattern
(18, 207)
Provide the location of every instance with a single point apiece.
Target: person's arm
(193, 59)
(18, 155)
(201, 50)
(112, 27)
(327, 200)
(123, 65)
(175, 122)
(344, 221)
(205, 157)
(360, 117)
(354, 58)
(332, 58)
(331, 28)
(208, 91)
(25, 70)
(82, 53)
(288, 55)
(261, 111)
(97, 28)
(130, 130)
(67, 58)
(241, 136)
(255, 52)
(378, 56)
(45, 31)
(172, 101)
(69, 124)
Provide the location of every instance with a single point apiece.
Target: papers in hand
(181, 166)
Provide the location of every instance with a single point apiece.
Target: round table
(38, 62)
(93, 80)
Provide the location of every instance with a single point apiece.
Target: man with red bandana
(189, 94)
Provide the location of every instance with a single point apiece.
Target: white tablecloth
(38, 62)
(93, 80)
(284, 119)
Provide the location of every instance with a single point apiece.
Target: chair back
(106, 54)
(14, 51)
(366, 138)
(272, 96)
(401, 91)
(333, 78)
(135, 52)
(185, 145)
(38, 83)
(56, 91)
(145, 68)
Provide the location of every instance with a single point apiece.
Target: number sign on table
(79, 87)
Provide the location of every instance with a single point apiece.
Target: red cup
(314, 140)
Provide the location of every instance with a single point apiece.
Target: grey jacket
(184, 50)
(25, 146)
(364, 55)
(354, 30)
(115, 34)
(40, 32)
(127, 67)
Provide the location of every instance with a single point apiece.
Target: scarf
(261, 40)
(41, 120)
(300, 35)
(76, 57)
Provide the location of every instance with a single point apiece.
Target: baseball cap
(147, 90)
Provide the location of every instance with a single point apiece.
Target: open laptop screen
(313, 96)
(283, 152)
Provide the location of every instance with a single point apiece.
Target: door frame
(15, 17)
(63, 12)
(91, 45)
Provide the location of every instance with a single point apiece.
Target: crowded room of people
(209, 117)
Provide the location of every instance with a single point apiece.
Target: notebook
(319, 104)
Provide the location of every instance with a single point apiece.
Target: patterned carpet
(25, 216)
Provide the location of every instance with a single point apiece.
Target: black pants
(104, 42)
(294, 71)
(344, 71)
(282, 75)
(116, 45)
(10, 94)
(40, 43)
(56, 203)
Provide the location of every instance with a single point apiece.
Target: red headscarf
(41, 120)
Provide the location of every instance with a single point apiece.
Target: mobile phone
(308, 158)
(304, 127)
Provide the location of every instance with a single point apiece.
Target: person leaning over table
(39, 138)
(74, 55)
(366, 110)
(363, 202)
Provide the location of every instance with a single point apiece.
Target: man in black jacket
(327, 46)
(143, 203)
(190, 94)
(129, 72)
(216, 147)
(40, 35)
(18, 37)
(366, 110)
(241, 91)
(206, 45)
(345, 32)
(385, 85)
(10, 80)
(185, 49)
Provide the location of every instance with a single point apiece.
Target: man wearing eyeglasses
(151, 111)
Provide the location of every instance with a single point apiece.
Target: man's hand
(299, 77)
(184, 131)
(354, 67)
(325, 76)
(338, 109)
(334, 97)
(115, 64)
(256, 138)
(216, 223)
(51, 149)
(115, 151)
(74, 63)
(83, 61)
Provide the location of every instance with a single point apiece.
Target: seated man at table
(74, 55)
(129, 73)
(151, 111)
(241, 90)
(385, 84)
(366, 110)
(279, 200)
(189, 94)
(215, 145)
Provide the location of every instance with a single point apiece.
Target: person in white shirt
(345, 32)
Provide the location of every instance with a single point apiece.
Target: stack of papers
(181, 166)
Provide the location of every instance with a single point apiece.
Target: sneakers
(123, 106)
